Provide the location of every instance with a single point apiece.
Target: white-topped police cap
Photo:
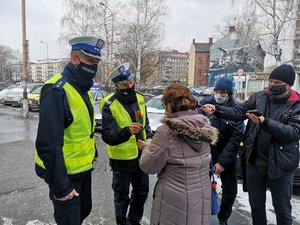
(121, 74)
(89, 45)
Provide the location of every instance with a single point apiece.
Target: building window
(199, 72)
(200, 60)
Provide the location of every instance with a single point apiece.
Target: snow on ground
(9, 221)
(242, 205)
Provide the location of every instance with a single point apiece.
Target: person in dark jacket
(224, 152)
(124, 122)
(271, 143)
(65, 143)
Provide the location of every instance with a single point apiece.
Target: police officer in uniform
(124, 121)
(65, 143)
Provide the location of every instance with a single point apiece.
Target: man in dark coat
(224, 153)
(271, 143)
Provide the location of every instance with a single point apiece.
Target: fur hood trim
(196, 133)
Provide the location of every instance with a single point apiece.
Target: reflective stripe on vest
(129, 149)
(79, 147)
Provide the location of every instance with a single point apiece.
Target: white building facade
(42, 70)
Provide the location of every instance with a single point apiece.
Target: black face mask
(128, 91)
(126, 95)
(87, 71)
(277, 90)
(82, 80)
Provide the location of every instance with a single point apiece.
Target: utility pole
(25, 75)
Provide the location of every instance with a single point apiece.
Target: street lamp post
(25, 61)
(112, 38)
(48, 76)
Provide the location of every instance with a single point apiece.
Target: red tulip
(138, 117)
(138, 114)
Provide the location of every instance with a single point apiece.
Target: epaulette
(60, 83)
(110, 100)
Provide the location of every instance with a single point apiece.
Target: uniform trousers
(140, 187)
(75, 210)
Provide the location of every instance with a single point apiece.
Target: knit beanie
(224, 84)
(284, 73)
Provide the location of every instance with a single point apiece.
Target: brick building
(199, 58)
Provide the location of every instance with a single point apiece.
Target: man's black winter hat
(284, 73)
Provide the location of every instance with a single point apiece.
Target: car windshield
(36, 91)
(155, 103)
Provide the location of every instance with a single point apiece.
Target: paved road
(23, 196)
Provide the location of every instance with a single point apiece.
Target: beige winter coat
(180, 155)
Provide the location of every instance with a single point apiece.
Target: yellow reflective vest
(129, 149)
(79, 147)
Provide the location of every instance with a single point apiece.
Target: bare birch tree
(91, 17)
(141, 33)
(244, 23)
(274, 22)
(6, 68)
(132, 30)
(78, 19)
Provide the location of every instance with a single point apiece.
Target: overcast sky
(188, 19)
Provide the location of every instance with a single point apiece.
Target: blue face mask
(87, 71)
(277, 90)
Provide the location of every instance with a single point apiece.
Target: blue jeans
(281, 191)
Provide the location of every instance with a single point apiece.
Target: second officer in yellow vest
(65, 143)
(124, 121)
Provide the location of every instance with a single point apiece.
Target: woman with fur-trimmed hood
(180, 154)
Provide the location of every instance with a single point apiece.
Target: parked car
(197, 91)
(207, 91)
(4, 91)
(147, 96)
(33, 99)
(98, 94)
(14, 96)
(156, 111)
(296, 180)
(3, 86)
